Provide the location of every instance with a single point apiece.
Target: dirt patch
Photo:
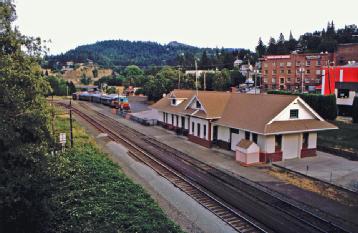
(314, 186)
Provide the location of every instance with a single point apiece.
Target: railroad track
(210, 186)
(234, 218)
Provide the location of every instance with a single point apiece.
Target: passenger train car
(112, 100)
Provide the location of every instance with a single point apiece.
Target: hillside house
(283, 127)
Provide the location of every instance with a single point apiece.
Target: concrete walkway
(327, 167)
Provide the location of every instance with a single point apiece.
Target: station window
(305, 140)
(247, 135)
(294, 113)
(177, 120)
(234, 130)
(198, 130)
(174, 101)
(192, 127)
(204, 131)
(198, 104)
(164, 117)
(282, 71)
(172, 119)
(278, 142)
(254, 138)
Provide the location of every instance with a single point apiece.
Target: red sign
(278, 57)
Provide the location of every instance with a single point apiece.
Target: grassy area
(91, 194)
(345, 138)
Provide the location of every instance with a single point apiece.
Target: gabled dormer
(296, 110)
(175, 101)
(195, 104)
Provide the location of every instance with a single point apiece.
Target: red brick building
(346, 53)
(293, 71)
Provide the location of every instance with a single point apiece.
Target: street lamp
(302, 71)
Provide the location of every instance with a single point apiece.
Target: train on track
(113, 100)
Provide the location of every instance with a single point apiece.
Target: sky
(202, 23)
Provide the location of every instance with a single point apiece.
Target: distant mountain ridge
(119, 53)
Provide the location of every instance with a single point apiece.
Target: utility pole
(179, 78)
(196, 76)
(255, 71)
(71, 135)
(204, 81)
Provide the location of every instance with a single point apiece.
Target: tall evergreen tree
(204, 61)
(272, 47)
(260, 48)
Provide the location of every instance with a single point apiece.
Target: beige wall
(303, 112)
(202, 123)
(291, 146)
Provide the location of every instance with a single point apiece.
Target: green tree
(260, 48)
(237, 78)
(71, 88)
(24, 133)
(85, 80)
(95, 73)
(134, 75)
(222, 80)
(58, 86)
(156, 87)
(204, 61)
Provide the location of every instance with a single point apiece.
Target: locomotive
(112, 100)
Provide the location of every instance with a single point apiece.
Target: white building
(282, 126)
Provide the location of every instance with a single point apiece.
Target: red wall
(333, 75)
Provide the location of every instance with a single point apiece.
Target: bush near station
(324, 105)
(355, 110)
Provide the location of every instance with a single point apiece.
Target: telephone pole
(204, 81)
(196, 76)
(179, 78)
(71, 134)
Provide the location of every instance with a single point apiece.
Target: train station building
(282, 126)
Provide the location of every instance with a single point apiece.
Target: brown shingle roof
(253, 112)
(244, 143)
(214, 102)
(164, 104)
(243, 111)
(298, 126)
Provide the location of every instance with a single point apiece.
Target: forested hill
(118, 53)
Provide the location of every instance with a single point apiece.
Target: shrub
(355, 110)
(139, 91)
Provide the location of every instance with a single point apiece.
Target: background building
(343, 82)
(346, 53)
(294, 71)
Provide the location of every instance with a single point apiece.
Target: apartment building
(294, 71)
